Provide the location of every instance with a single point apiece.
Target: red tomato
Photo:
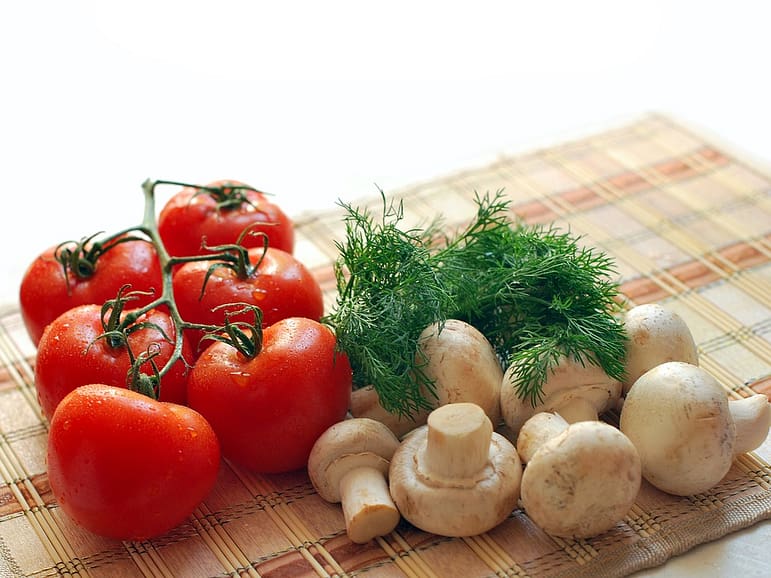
(281, 287)
(193, 214)
(46, 293)
(125, 466)
(269, 410)
(69, 355)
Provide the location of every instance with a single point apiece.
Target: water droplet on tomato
(259, 294)
(241, 378)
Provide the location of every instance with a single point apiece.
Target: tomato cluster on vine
(194, 336)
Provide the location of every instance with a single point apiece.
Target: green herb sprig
(389, 290)
(534, 292)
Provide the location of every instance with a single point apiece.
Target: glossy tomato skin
(281, 287)
(69, 355)
(127, 467)
(269, 410)
(190, 216)
(44, 293)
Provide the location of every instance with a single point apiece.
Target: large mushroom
(581, 479)
(455, 476)
(577, 390)
(655, 335)
(687, 430)
(463, 367)
(349, 464)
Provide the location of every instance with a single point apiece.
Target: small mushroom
(655, 335)
(365, 403)
(687, 431)
(463, 367)
(349, 464)
(577, 390)
(455, 476)
(581, 479)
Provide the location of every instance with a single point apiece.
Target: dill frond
(534, 292)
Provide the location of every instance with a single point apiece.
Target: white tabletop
(321, 101)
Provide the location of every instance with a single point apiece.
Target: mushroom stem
(458, 442)
(367, 505)
(578, 409)
(752, 418)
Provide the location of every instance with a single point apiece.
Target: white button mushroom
(455, 476)
(581, 479)
(687, 431)
(655, 335)
(365, 403)
(577, 391)
(349, 464)
(463, 367)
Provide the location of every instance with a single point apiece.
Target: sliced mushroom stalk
(581, 479)
(455, 476)
(349, 464)
(686, 429)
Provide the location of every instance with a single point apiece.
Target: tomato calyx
(235, 257)
(244, 336)
(117, 327)
(79, 258)
(227, 196)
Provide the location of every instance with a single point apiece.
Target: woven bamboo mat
(689, 225)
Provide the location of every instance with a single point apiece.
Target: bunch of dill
(534, 292)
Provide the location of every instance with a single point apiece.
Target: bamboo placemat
(689, 225)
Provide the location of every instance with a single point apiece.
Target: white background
(319, 101)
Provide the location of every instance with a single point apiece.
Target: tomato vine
(244, 336)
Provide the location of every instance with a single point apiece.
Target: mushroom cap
(569, 380)
(346, 445)
(582, 482)
(655, 335)
(536, 431)
(463, 366)
(464, 507)
(677, 415)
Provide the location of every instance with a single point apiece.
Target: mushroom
(455, 476)
(365, 403)
(687, 431)
(575, 389)
(581, 479)
(462, 365)
(655, 335)
(349, 464)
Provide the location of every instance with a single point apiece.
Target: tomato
(70, 355)
(193, 214)
(281, 286)
(268, 410)
(125, 466)
(45, 292)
